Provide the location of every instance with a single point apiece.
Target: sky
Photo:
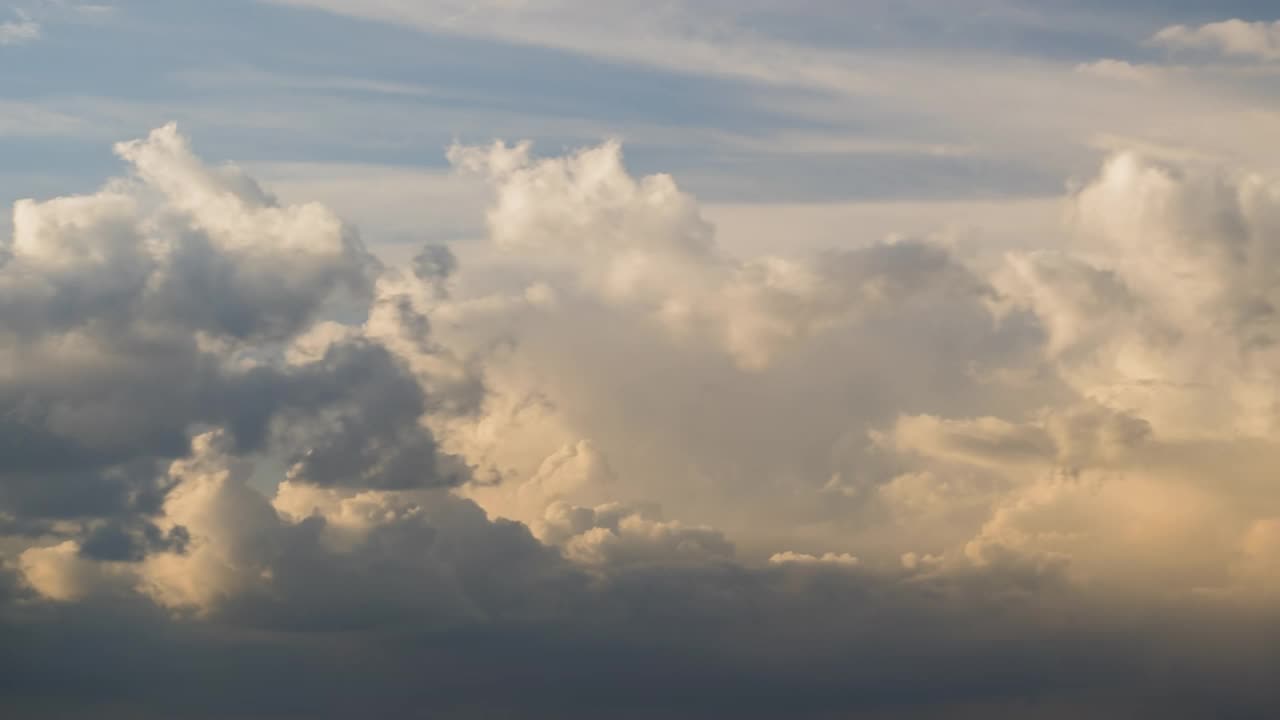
(682, 359)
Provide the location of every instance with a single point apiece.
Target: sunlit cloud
(1256, 40)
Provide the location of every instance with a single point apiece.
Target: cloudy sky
(680, 359)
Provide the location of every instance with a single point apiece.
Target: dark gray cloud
(434, 262)
(131, 542)
(138, 315)
(725, 642)
(352, 420)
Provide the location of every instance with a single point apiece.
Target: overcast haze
(611, 359)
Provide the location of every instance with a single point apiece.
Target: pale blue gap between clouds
(264, 84)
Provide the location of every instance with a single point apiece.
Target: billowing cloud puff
(643, 244)
(194, 280)
(1167, 307)
(627, 356)
(243, 455)
(617, 535)
(1118, 70)
(18, 31)
(1258, 40)
(836, 559)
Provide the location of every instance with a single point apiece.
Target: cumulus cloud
(1121, 70)
(835, 559)
(605, 453)
(59, 572)
(19, 31)
(1238, 38)
(1038, 434)
(190, 279)
(1167, 307)
(617, 535)
(642, 243)
(707, 373)
(1157, 318)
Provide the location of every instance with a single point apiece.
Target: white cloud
(26, 119)
(617, 535)
(1238, 38)
(17, 32)
(58, 572)
(880, 103)
(1119, 70)
(704, 38)
(834, 559)
(1168, 308)
(643, 243)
